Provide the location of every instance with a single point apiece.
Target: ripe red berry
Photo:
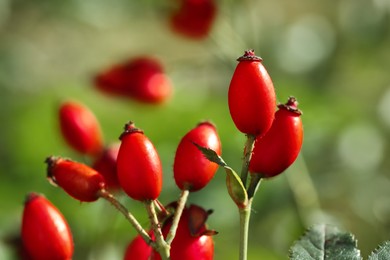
(251, 97)
(45, 232)
(138, 249)
(141, 78)
(78, 180)
(192, 241)
(80, 128)
(105, 164)
(279, 147)
(138, 165)
(194, 18)
(191, 169)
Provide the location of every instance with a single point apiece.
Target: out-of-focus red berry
(80, 128)
(194, 18)
(141, 78)
(105, 164)
(45, 232)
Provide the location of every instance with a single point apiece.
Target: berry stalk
(160, 245)
(122, 209)
(248, 149)
(176, 217)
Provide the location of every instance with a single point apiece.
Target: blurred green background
(334, 56)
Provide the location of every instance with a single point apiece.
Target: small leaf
(234, 184)
(211, 155)
(325, 242)
(235, 188)
(381, 253)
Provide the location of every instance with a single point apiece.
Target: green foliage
(327, 242)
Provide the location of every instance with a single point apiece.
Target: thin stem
(122, 209)
(248, 149)
(245, 214)
(161, 246)
(176, 217)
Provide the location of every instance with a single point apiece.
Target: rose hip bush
(133, 167)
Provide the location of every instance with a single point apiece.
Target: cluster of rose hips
(176, 231)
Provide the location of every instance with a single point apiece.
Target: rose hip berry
(80, 128)
(193, 241)
(45, 232)
(78, 180)
(251, 96)
(194, 18)
(141, 78)
(138, 165)
(279, 147)
(191, 169)
(105, 164)
(138, 249)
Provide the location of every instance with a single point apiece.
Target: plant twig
(248, 149)
(160, 245)
(176, 217)
(122, 209)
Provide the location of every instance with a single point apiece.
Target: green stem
(161, 246)
(245, 214)
(122, 209)
(176, 217)
(248, 149)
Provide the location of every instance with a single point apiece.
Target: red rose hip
(193, 241)
(80, 128)
(78, 180)
(191, 169)
(45, 232)
(279, 147)
(194, 18)
(251, 96)
(105, 164)
(138, 249)
(138, 165)
(141, 78)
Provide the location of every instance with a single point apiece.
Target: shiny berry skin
(80, 128)
(141, 78)
(279, 147)
(45, 232)
(251, 96)
(138, 165)
(192, 241)
(78, 180)
(138, 249)
(105, 164)
(191, 169)
(194, 18)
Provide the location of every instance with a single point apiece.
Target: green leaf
(381, 253)
(234, 184)
(325, 242)
(211, 155)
